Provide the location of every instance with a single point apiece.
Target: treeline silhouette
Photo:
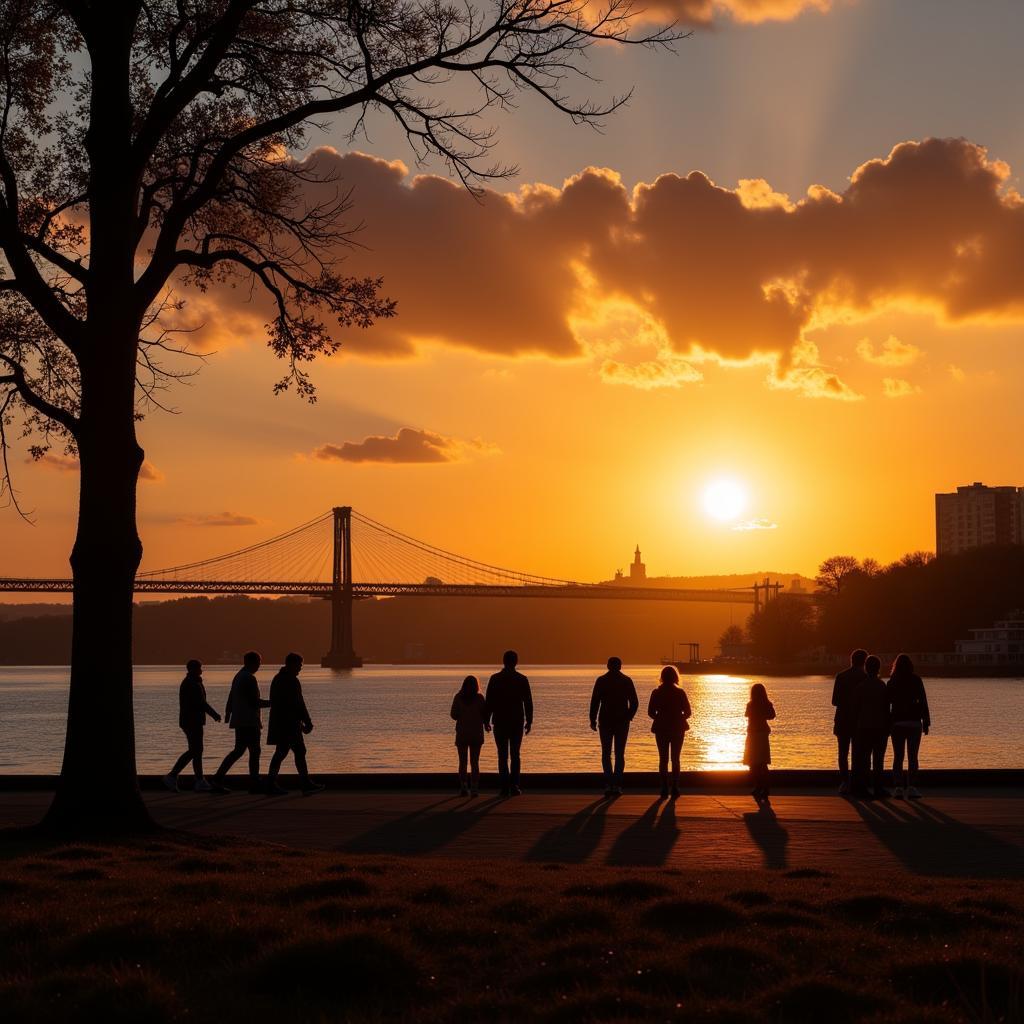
(918, 603)
(415, 630)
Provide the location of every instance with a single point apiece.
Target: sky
(794, 262)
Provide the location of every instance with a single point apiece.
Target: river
(387, 718)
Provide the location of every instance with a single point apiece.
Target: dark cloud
(407, 446)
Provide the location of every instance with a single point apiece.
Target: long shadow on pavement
(770, 836)
(650, 839)
(930, 842)
(425, 830)
(575, 840)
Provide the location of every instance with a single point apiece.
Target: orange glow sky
(772, 277)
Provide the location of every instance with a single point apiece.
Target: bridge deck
(361, 591)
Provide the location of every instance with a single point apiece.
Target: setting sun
(724, 499)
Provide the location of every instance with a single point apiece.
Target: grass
(180, 929)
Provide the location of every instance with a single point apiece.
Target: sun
(724, 499)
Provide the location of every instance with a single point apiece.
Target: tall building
(976, 515)
(637, 571)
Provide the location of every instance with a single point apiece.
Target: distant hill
(729, 582)
(410, 630)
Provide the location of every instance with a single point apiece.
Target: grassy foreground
(203, 930)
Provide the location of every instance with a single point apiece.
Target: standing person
(757, 753)
(469, 709)
(289, 722)
(243, 714)
(510, 709)
(872, 733)
(844, 700)
(908, 711)
(192, 712)
(670, 708)
(612, 706)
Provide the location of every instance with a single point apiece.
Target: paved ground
(952, 832)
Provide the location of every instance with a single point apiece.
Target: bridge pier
(342, 654)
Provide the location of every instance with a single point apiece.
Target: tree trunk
(98, 790)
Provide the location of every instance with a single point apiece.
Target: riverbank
(222, 929)
(806, 780)
(952, 832)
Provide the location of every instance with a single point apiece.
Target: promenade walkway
(952, 832)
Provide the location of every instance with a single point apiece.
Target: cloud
(892, 353)
(68, 464)
(218, 519)
(60, 463)
(646, 284)
(893, 387)
(704, 13)
(756, 524)
(958, 374)
(408, 446)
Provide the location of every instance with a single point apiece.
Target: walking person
(844, 700)
(289, 723)
(469, 709)
(612, 706)
(872, 734)
(757, 752)
(243, 714)
(510, 711)
(670, 708)
(192, 712)
(908, 711)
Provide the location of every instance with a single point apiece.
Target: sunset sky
(794, 261)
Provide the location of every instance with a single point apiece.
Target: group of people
(868, 712)
(289, 724)
(507, 710)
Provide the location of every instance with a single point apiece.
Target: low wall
(707, 781)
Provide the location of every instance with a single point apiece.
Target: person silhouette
(289, 722)
(192, 712)
(612, 706)
(469, 709)
(872, 733)
(669, 707)
(242, 714)
(844, 700)
(757, 752)
(910, 717)
(509, 708)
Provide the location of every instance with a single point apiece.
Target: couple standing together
(869, 711)
(614, 704)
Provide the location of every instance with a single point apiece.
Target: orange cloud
(68, 464)
(893, 387)
(408, 446)
(218, 519)
(892, 353)
(645, 285)
(703, 13)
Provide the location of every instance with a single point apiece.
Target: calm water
(388, 718)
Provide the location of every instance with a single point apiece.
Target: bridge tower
(341, 654)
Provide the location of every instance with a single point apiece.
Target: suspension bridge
(344, 556)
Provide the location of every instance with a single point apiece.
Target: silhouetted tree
(732, 636)
(144, 147)
(835, 571)
(782, 629)
(923, 603)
